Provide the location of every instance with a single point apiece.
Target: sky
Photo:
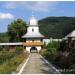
(10, 11)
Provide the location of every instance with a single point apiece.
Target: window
(32, 30)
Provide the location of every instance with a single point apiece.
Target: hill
(57, 27)
(52, 27)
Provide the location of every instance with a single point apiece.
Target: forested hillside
(52, 27)
(57, 27)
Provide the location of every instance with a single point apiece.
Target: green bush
(9, 61)
(11, 66)
(5, 56)
(53, 44)
(61, 59)
(52, 49)
(65, 61)
(19, 50)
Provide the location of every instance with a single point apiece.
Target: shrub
(62, 59)
(53, 44)
(5, 56)
(9, 61)
(19, 50)
(10, 66)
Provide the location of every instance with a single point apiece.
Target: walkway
(37, 65)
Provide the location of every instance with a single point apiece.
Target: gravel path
(37, 65)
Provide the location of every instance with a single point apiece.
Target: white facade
(30, 40)
(29, 47)
(50, 40)
(33, 29)
(33, 21)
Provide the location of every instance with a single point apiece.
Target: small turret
(33, 21)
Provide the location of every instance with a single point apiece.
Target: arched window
(32, 30)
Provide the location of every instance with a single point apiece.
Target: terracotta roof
(33, 43)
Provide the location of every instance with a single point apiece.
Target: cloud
(9, 5)
(40, 6)
(37, 6)
(6, 16)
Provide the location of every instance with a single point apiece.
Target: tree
(16, 30)
(57, 27)
(4, 37)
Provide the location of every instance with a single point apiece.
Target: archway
(33, 49)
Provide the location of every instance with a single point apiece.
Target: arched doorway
(33, 49)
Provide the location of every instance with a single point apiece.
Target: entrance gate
(33, 49)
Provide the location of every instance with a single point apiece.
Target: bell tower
(33, 25)
(33, 36)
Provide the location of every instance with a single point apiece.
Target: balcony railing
(33, 43)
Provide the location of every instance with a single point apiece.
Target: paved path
(37, 65)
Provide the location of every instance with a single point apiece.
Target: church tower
(33, 36)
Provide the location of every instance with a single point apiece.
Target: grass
(10, 66)
(6, 56)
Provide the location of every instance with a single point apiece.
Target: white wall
(28, 49)
(35, 40)
(36, 29)
(38, 48)
(50, 40)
